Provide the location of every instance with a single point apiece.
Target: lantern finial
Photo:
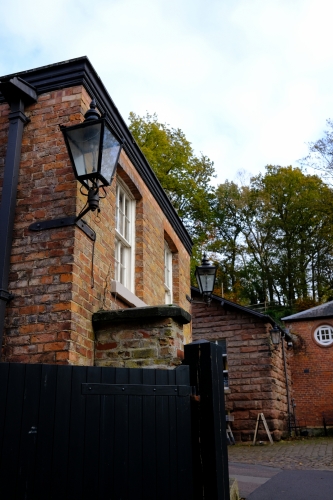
(92, 113)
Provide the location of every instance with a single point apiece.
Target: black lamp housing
(93, 148)
(275, 335)
(205, 276)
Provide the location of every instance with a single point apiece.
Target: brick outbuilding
(60, 277)
(257, 375)
(312, 366)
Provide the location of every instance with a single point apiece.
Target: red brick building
(59, 277)
(257, 375)
(312, 365)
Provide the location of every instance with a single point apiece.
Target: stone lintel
(146, 314)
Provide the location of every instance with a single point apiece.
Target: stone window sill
(126, 295)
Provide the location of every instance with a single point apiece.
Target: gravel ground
(305, 453)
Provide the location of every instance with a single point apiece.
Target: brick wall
(312, 374)
(49, 319)
(256, 373)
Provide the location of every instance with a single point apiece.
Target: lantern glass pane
(205, 276)
(84, 144)
(276, 336)
(207, 282)
(197, 276)
(111, 148)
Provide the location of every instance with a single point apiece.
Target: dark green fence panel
(60, 439)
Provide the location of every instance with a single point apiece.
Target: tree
(320, 155)
(274, 237)
(226, 244)
(185, 177)
(300, 214)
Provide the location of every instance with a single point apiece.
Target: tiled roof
(322, 311)
(233, 305)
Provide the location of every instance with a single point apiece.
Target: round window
(324, 335)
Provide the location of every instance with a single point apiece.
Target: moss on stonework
(139, 363)
(144, 353)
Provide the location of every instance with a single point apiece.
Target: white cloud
(248, 81)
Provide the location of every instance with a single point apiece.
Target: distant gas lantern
(275, 335)
(205, 276)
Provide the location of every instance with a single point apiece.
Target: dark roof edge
(304, 318)
(233, 305)
(80, 71)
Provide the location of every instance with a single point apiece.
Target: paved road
(289, 470)
(250, 477)
(296, 485)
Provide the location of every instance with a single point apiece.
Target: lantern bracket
(5, 295)
(63, 222)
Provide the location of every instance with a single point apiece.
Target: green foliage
(272, 239)
(185, 177)
(275, 236)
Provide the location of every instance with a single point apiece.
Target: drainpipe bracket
(6, 296)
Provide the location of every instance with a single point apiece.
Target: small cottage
(256, 372)
(312, 367)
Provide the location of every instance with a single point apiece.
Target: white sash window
(167, 273)
(125, 237)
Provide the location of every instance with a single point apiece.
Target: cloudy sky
(250, 82)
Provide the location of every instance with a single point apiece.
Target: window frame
(320, 341)
(168, 275)
(125, 238)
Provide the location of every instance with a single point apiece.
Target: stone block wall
(50, 318)
(149, 337)
(312, 374)
(257, 381)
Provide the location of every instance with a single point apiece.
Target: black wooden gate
(94, 433)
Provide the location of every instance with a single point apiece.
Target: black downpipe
(17, 93)
(287, 385)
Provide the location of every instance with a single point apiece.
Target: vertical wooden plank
(76, 434)
(92, 435)
(58, 483)
(192, 360)
(120, 470)
(184, 445)
(149, 441)
(4, 374)
(45, 428)
(206, 372)
(135, 438)
(173, 439)
(12, 430)
(162, 438)
(216, 357)
(107, 454)
(29, 432)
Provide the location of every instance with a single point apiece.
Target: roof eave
(80, 71)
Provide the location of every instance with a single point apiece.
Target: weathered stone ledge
(149, 313)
